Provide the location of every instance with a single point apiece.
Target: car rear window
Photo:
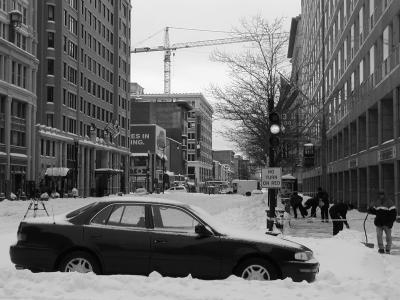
(78, 211)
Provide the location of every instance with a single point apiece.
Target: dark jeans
(337, 225)
(324, 212)
(302, 210)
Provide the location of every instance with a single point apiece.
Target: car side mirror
(201, 230)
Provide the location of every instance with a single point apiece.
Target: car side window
(125, 216)
(170, 218)
(102, 217)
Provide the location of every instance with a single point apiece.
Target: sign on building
(145, 137)
(271, 178)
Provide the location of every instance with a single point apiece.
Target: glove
(347, 225)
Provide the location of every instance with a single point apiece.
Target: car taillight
(21, 236)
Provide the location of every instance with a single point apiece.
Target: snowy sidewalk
(313, 227)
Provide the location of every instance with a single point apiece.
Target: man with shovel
(386, 213)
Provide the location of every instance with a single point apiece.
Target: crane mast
(167, 48)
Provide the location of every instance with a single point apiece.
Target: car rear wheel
(256, 269)
(81, 262)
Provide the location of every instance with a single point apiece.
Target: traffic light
(275, 128)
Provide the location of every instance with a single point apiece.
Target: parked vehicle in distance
(140, 191)
(244, 187)
(141, 236)
(178, 188)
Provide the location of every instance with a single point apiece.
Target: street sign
(271, 178)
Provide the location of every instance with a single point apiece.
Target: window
(50, 66)
(50, 39)
(50, 120)
(371, 13)
(18, 138)
(50, 12)
(372, 60)
(386, 43)
(102, 216)
(124, 215)
(361, 24)
(361, 69)
(50, 93)
(173, 219)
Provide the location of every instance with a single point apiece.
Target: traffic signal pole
(271, 193)
(274, 130)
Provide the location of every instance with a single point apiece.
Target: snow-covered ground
(348, 270)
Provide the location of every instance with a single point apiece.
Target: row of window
(97, 25)
(97, 47)
(98, 69)
(17, 138)
(19, 73)
(47, 148)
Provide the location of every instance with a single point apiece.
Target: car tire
(256, 269)
(79, 261)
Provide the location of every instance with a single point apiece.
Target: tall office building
(346, 61)
(18, 68)
(83, 92)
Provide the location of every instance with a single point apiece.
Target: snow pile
(348, 269)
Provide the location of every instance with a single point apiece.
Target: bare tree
(255, 81)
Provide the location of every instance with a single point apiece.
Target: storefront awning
(56, 172)
(139, 154)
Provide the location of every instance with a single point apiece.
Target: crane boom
(167, 48)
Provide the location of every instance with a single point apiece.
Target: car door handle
(160, 241)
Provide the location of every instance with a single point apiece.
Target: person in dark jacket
(386, 214)
(296, 202)
(323, 202)
(313, 203)
(338, 214)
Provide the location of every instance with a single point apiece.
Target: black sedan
(141, 236)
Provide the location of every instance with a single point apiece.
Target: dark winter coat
(339, 211)
(385, 212)
(312, 202)
(295, 200)
(324, 197)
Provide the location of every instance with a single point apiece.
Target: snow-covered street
(348, 269)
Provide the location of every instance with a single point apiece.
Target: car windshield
(78, 211)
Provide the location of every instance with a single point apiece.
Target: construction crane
(167, 48)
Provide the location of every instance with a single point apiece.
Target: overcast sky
(191, 69)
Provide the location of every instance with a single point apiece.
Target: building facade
(226, 158)
(83, 92)
(18, 102)
(199, 139)
(349, 72)
(241, 168)
(169, 112)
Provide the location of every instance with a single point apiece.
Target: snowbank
(348, 269)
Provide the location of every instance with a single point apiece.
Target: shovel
(369, 245)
